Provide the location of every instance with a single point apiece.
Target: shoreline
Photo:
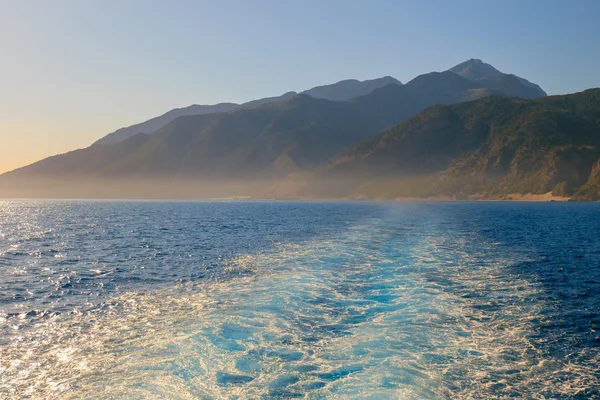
(517, 198)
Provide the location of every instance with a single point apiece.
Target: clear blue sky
(72, 71)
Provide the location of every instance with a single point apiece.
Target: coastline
(513, 197)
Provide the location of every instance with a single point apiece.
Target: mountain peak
(475, 69)
(387, 78)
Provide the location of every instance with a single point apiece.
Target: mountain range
(324, 142)
(472, 70)
(343, 90)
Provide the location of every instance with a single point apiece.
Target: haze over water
(284, 299)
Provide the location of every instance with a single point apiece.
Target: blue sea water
(314, 300)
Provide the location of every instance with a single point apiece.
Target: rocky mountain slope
(493, 146)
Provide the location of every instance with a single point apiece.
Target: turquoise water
(309, 300)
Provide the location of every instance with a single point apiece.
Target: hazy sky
(72, 71)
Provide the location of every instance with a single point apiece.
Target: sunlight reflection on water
(391, 306)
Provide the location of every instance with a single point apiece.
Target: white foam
(374, 312)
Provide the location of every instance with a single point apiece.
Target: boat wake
(381, 310)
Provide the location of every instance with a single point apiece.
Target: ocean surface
(235, 300)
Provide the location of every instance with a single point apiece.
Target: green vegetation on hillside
(493, 146)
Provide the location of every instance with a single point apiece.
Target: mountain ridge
(473, 69)
(339, 91)
(349, 88)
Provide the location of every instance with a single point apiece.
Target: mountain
(475, 70)
(489, 81)
(445, 88)
(350, 88)
(264, 140)
(492, 147)
(295, 134)
(343, 90)
(154, 124)
(272, 139)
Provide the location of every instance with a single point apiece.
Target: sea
(314, 300)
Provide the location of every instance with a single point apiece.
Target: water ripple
(407, 301)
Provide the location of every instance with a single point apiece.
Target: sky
(72, 71)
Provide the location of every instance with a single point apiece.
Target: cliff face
(590, 191)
